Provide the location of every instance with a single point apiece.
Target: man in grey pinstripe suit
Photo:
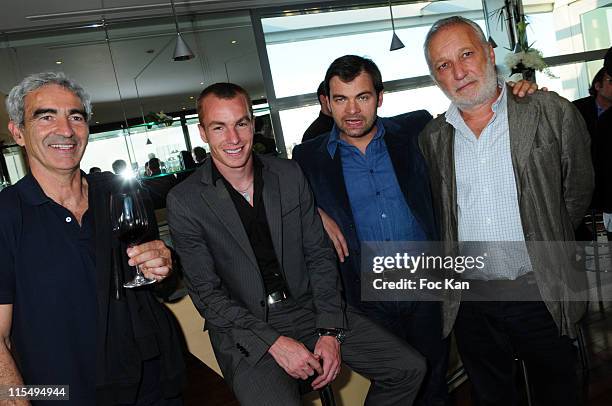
(262, 272)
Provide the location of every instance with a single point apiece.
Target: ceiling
(141, 33)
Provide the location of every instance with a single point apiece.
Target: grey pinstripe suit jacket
(220, 268)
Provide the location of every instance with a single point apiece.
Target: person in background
(505, 172)
(199, 155)
(94, 169)
(159, 186)
(324, 122)
(597, 114)
(187, 160)
(119, 166)
(64, 317)
(263, 141)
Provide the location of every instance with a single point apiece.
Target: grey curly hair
(15, 100)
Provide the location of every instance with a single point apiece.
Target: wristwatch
(337, 333)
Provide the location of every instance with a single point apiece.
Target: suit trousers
(395, 369)
(420, 325)
(490, 335)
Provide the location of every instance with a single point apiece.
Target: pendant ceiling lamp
(182, 52)
(396, 43)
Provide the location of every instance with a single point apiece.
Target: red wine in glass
(130, 224)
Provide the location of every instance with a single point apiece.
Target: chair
(583, 358)
(326, 394)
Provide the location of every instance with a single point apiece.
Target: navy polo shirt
(377, 202)
(48, 273)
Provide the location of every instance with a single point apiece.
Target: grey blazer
(550, 149)
(221, 271)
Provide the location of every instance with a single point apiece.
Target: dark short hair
(321, 91)
(154, 165)
(597, 79)
(222, 90)
(348, 67)
(119, 165)
(200, 153)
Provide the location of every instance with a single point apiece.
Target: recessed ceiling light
(201, 83)
(234, 42)
(184, 108)
(58, 62)
(191, 97)
(97, 122)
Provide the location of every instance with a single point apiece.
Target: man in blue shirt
(64, 320)
(371, 184)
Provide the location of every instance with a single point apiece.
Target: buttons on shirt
(68, 219)
(383, 215)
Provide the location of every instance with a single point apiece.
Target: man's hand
(328, 350)
(294, 358)
(524, 87)
(153, 257)
(335, 235)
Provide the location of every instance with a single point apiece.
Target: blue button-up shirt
(378, 205)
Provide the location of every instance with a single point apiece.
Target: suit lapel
(272, 202)
(445, 140)
(331, 168)
(220, 203)
(522, 124)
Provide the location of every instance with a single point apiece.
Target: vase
(529, 74)
(526, 73)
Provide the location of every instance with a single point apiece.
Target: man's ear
(598, 86)
(17, 133)
(202, 133)
(380, 98)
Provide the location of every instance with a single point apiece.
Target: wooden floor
(205, 387)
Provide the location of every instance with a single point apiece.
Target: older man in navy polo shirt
(61, 320)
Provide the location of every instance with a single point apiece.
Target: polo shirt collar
(31, 191)
(335, 140)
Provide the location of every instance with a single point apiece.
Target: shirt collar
(216, 175)
(335, 140)
(453, 114)
(31, 191)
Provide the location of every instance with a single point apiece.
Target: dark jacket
(600, 129)
(221, 269)
(327, 182)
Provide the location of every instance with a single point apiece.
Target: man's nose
(458, 71)
(232, 136)
(352, 107)
(63, 126)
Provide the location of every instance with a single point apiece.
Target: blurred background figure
(159, 186)
(199, 155)
(94, 169)
(323, 123)
(597, 114)
(119, 166)
(263, 140)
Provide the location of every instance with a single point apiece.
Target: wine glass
(130, 223)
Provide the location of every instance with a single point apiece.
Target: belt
(277, 297)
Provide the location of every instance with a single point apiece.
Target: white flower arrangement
(524, 56)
